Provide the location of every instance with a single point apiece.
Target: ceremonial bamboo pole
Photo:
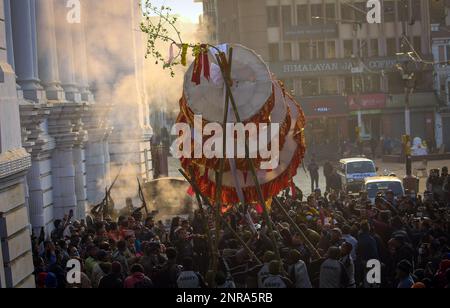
(297, 228)
(226, 223)
(227, 82)
(202, 213)
(226, 70)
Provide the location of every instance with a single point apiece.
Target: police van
(353, 171)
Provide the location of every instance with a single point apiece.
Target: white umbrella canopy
(252, 86)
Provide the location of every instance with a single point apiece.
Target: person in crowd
(327, 242)
(313, 169)
(298, 272)
(137, 279)
(333, 274)
(188, 278)
(275, 280)
(405, 280)
(114, 279)
(327, 171)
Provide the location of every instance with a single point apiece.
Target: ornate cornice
(65, 124)
(14, 162)
(34, 138)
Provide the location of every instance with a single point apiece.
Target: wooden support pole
(228, 82)
(226, 223)
(297, 228)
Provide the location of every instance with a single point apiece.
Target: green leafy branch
(159, 24)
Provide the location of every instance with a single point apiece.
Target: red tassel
(196, 74)
(259, 209)
(206, 66)
(190, 191)
(245, 174)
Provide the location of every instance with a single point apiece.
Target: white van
(353, 171)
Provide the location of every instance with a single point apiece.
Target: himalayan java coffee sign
(332, 66)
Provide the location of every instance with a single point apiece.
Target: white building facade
(57, 140)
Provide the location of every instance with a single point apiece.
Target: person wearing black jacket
(114, 279)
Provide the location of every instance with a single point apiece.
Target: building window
(286, 16)
(274, 52)
(442, 51)
(302, 14)
(318, 50)
(372, 83)
(304, 51)
(403, 10)
(391, 46)
(310, 86)
(346, 12)
(287, 56)
(348, 85)
(289, 85)
(358, 9)
(316, 11)
(374, 51)
(395, 83)
(273, 16)
(389, 11)
(417, 12)
(328, 86)
(363, 49)
(331, 49)
(447, 50)
(330, 12)
(348, 48)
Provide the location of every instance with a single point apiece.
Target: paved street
(302, 179)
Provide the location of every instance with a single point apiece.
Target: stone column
(39, 144)
(23, 20)
(97, 152)
(65, 47)
(16, 261)
(79, 43)
(47, 52)
(63, 169)
(79, 160)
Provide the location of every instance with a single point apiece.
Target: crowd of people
(324, 240)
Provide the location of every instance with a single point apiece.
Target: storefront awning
(324, 106)
(416, 100)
